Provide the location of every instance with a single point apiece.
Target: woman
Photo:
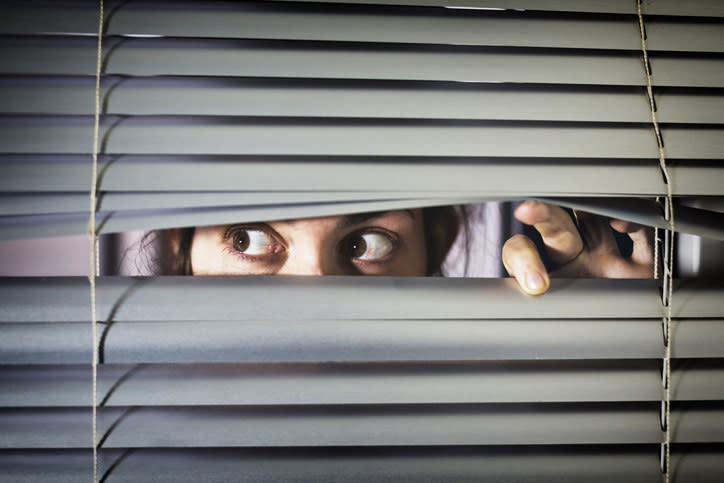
(409, 243)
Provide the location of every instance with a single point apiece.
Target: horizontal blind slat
(284, 384)
(646, 212)
(407, 102)
(446, 27)
(305, 138)
(319, 340)
(595, 464)
(245, 97)
(708, 8)
(333, 298)
(34, 226)
(68, 224)
(406, 425)
(688, 220)
(119, 202)
(136, 57)
(490, 177)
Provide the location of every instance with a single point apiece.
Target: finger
(559, 233)
(596, 233)
(643, 241)
(623, 226)
(523, 262)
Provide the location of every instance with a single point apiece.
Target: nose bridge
(308, 260)
(311, 252)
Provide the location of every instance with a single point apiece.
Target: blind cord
(656, 252)
(94, 263)
(668, 265)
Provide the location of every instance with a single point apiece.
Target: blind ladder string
(656, 250)
(94, 263)
(668, 265)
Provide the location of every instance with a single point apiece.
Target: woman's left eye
(369, 246)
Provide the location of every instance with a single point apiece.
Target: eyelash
(392, 237)
(233, 230)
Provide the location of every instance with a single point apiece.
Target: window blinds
(218, 112)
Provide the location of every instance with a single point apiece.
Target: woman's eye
(253, 242)
(369, 246)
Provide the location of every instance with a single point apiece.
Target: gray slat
(319, 340)
(595, 464)
(712, 8)
(414, 425)
(330, 26)
(500, 178)
(24, 227)
(28, 299)
(685, 37)
(209, 97)
(329, 138)
(646, 212)
(488, 177)
(209, 21)
(59, 203)
(141, 57)
(246, 98)
(302, 384)
(302, 138)
(110, 222)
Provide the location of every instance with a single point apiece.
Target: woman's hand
(591, 253)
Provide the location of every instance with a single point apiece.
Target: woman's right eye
(250, 241)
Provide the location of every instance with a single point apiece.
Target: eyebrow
(357, 218)
(347, 221)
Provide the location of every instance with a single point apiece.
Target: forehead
(345, 221)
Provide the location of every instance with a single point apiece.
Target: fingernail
(534, 281)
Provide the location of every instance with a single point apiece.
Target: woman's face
(381, 243)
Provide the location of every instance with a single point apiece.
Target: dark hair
(441, 225)
(177, 259)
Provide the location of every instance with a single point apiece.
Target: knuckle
(517, 242)
(570, 238)
(517, 251)
(546, 210)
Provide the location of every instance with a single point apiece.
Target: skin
(388, 243)
(393, 243)
(592, 253)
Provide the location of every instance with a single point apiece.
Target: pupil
(359, 247)
(241, 241)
